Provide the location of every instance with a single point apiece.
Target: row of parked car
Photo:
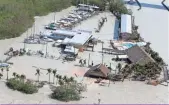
(81, 13)
(76, 16)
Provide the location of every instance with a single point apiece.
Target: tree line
(16, 16)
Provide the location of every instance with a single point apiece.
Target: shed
(64, 32)
(80, 39)
(126, 25)
(98, 71)
(138, 55)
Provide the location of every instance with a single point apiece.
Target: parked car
(51, 26)
(47, 39)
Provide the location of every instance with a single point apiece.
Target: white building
(126, 26)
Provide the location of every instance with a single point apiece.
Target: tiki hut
(138, 55)
(98, 71)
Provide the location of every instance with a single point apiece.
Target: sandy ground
(153, 26)
(126, 92)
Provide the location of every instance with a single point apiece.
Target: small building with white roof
(126, 26)
(80, 39)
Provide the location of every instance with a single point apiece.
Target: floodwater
(153, 22)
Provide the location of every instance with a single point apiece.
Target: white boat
(68, 20)
(73, 19)
(64, 22)
(75, 15)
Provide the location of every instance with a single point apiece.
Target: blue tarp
(4, 65)
(116, 29)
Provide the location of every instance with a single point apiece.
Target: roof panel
(126, 26)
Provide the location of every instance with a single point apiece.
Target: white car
(47, 39)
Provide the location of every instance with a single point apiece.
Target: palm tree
(60, 77)
(38, 74)
(57, 76)
(61, 82)
(71, 79)
(54, 75)
(154, 55)
(147, 47)
(119, 66)
(11, 49)
(7, 70)
(1, 75)
(126, 71)
(49, 72)
(23, 77)
(14, 74)
(110, 77)
(65, 78)
(17, 76)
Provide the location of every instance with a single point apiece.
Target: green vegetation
(18, 83)
(68, 89)
(17, 15)
(117, 7)
(68, 92)
(65, 93)
(155, 56)
(150, 70)
(1, 75)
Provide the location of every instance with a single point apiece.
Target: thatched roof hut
(138, 55)
(98, 71)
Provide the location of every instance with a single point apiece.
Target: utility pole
(89, 59)
(77, 1)
(74, 52)
(102, 53)
(27, 34)
(54, 17)
(24, 44)
(166, 74)
(31, 32)
(46, 49)
(34, 31)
